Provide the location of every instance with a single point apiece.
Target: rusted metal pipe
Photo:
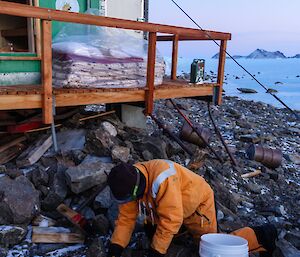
(199, 134)
(170, 134)
(188, 134)
(271, 158)
(218, 132)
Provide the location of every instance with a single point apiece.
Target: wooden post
(47, 71)
(174, 57)
(221, 70)
(151, 72)
(37, 30)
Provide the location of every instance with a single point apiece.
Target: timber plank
(221, 69)
(74, 99)
(14, 102)
(9, 100)
(12, 143)
(47, 71)
(35, 152)
(174, 57)
(11, 153)
(50, 235)
(150, 72)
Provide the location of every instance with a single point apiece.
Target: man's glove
(154, 253)
(115, 250)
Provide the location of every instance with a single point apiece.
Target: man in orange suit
(168, 195)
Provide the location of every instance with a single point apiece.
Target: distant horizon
(270, 24)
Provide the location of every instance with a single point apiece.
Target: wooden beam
(15, 102)
(47, 71)
(50, 14)
(209, 36)
(53, 235)
(174, 57)
(177, 92)
(35, 152)
(12, 143)
(150, 72)
(75, 99)
(221, 70)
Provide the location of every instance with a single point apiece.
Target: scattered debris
(76, 176)
(35, 152)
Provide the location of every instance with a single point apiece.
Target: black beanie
(122, 180)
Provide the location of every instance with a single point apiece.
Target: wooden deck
(30, 96)
(42, 96)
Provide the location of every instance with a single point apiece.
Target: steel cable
(241, 66)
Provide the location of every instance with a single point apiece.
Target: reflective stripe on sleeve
(162, 177)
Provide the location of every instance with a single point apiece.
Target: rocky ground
(90, 148)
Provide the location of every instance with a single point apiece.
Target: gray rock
(96, 248)
(40, 177)
(294, 238)
(13, 173)
(11, 235)
(254, 188)
(286, 249)
(101, 224)
(295, 158)
(247, 90)
(112, 213)
(2, 169)
(70, 140)
(87, 175)
(120, 153)
(104, 199)
(19, 201)
(88, 213)
(250, 138)
(244, 124)
(220, 215)
(247, 204)
(108, 127)
(147, 156)
(155, 145)
(57, 193)
(3, 252)
(100, 142)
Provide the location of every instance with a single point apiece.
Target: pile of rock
(89, 151)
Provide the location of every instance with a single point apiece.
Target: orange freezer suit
(174, 196)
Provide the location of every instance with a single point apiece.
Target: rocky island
(261, 54)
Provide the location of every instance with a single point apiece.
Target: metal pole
(53, 131)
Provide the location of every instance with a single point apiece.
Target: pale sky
(268, 24)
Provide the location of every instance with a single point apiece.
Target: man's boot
(266, 236)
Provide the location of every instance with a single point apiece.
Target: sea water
(268, 71)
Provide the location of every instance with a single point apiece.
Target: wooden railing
(174, 34)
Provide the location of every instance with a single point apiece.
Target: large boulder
(57, 193)
(19, 201)
(100, 142)
(87, 175)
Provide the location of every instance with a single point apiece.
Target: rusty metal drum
(271, 158)
(189, 135)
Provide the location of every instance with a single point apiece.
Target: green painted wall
(56, 26)
(14, 66)
(19, 66)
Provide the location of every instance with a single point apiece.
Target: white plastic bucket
(223, 245)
